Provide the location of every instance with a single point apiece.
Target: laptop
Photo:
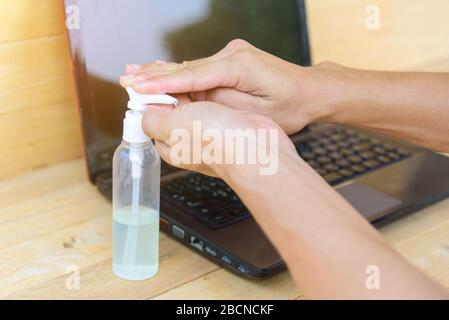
(382, 178)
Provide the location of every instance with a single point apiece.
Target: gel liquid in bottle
(136, 188)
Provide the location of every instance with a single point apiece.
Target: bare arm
(326, 244)
(411, 106)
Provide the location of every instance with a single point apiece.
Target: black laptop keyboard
(207, 199)
(341, 154)
(336, 154)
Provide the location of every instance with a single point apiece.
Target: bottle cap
(132, 124)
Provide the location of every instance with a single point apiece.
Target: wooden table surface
(53, 219)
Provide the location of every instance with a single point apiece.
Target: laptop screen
(112, 33)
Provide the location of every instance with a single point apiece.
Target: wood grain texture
(412, 34)
(67, 222)
(38, 121)
(38, 118)
(28, 19)
(52, 218)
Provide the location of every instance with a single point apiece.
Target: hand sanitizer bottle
(136, 187)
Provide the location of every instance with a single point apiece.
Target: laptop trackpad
(372, 204)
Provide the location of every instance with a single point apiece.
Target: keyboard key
(355, 140)
(194, 203)
(221, 218)
(367, 154)
(239, 211)
(313, 163)
(302, 147)
(383, 159)
(319, 151)
(307, 155)
(371, 164)
(346, 173)
(362, 147)
(357, 168)
(336, 155)
(355, 159)
(204, 211)
(332, 177)
(402, 152)
(314, 144)
(323, 159)
(338, 137)
(343, 163)
(393, 155)
(326, 141)
(380, 150)
(321, 171)
(331, 167)
(347, 152)
(332, 147)
(344, 144)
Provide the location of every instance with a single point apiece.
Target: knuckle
(238, 44)
(188, 68)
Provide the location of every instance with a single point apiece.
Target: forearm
(409, 106)
(324, 241)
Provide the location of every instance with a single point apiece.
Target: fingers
(128, 80)
(164, 152)
(158, 122)
(136, 68)
(131, 69)
(150, 67)
(230, 97)
(188, 78)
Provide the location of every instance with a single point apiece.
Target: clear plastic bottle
(136, 210)
(136, 188)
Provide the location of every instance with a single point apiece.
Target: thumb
(157, 123)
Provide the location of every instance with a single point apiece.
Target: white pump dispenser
(136, 187)
(132, 124)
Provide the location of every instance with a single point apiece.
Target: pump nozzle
(132, 124)
(137, 101)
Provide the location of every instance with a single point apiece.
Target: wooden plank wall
(413, 35)
(38, 119)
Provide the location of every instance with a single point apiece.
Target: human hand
(166, 125)
(242, 77)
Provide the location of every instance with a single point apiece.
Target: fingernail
(133, 67)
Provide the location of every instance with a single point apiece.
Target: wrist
(246, 177)
(331, 91)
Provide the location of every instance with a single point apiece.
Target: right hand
(242, 77)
